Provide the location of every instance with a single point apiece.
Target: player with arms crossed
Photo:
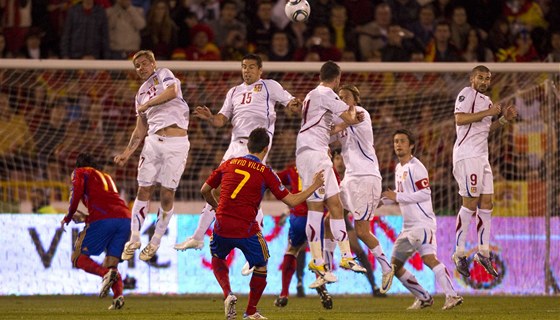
(162, 122)
(413, 194)
(360, 190)
(249, 105)
(107, 225)
(242, 181)
(471, 168)
(320, 107)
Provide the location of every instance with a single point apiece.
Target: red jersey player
(107, 225)
(243, 181)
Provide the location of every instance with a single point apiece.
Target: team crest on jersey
(404, 175)
(321, 190)
(473, 189)
(155, 80)
(257, 88)
(461, 98)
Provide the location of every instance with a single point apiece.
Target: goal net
(53, 110)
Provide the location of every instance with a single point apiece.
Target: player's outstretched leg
(196, 241)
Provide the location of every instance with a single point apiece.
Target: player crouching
(413, 194)
(107, 226)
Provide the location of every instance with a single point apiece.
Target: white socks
(483, 230)
(381, 258)
(338, 229)
(206, 218)
(161, 225)
(410, 282)
(462, 228)
(313, 232)
(444, 281)
(328, 252)
(139, 212)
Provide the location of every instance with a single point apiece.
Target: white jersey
(251, 106)
(358, 149)
(319, 107)
(472, 139)
(175, 111)
(414, 196)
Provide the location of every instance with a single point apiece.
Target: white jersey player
(413, 194)
(360, 189)
(248, 106)
(320, 107)
(471, 168)
(162, 122)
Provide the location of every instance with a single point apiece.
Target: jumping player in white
(413, 194)
(471, 168)
(360, 190)
(162, 122)
(320, 107)
(249, 105)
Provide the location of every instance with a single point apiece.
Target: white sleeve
(227, 107)
(279, 94)
(421, 185)
(465, 100)
(167, 77)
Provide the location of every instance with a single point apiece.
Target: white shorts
(422, 240)
(163, 161)
(474, 177)
(310, 162)
(360, 195)
(238, 148)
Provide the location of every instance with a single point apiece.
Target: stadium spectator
(522, 51)
(342, 32)
(184, 20)
(443, 9)
(206, 11)
(15, 22)
(405, 12)
(85, 34)
(160, 35)
(475, 49)
(107, 225)
(33, 48)
(321, 11)
(500, 36)
(235, 47)
(236, 226)
(483, 13)
(162, 124)
(125, 23)
(554, 52)
(321, 43)
(281, 48)
(459, 27)
(372, 36)
(440, 49)
(227, 23)
(423, 28)
(40, 201)
(395, 49)
(202, 47)
(261, 28)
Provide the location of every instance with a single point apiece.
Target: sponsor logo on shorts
(473, 189)
(321, 190)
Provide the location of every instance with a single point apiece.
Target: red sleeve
(76, 194)
(274, 184)
(215, 179)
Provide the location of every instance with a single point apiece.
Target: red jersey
(244, 181)
(290, 177)
(99, 194)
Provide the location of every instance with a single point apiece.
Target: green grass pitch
(309, 308)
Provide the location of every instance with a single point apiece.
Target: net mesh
(51, 115)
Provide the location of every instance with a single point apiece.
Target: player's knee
(430, 260)
(144, 193)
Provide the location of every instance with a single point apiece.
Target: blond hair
(148, 53)
(354, 90)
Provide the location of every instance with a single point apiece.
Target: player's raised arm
(217, 120)
(168, 94)
(294, 199)
(137, 137)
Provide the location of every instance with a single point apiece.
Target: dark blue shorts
(107, 235)
(254, 248)
(296, 234)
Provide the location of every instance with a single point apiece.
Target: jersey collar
(252, 157)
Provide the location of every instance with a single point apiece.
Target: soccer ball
(297, 10)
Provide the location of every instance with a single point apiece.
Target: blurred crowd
(339, 30)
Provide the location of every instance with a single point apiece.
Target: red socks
(257, 285)
(85, 263)
(289, 266)
(221, 272)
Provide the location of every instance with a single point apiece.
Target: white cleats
(190, 243)
(148, 252)
(129, 249)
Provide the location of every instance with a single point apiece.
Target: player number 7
(246, 175)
